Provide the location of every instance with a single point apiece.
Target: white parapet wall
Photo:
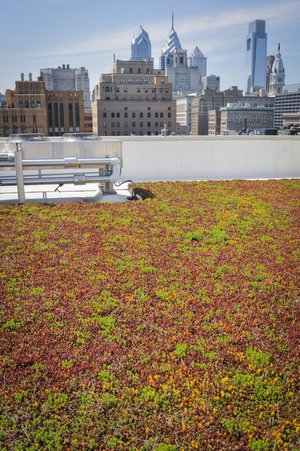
(210, 158)
(169, 158)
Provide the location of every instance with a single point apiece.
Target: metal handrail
(9, 161)
(107, 170)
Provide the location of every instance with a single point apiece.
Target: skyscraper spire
(172, 20)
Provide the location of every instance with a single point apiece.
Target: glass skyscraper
(256, 54)
(141, 46)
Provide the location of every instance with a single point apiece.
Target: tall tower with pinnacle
(140, 46)
(277, 77)
(172, 43)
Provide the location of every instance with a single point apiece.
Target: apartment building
(134, 99)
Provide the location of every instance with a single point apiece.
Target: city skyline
(55, 32)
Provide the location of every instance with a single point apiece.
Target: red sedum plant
(165, 324)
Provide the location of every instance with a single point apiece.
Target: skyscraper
(172, 44)
(140, 46)
(174, 61)
(256, 54)
(199, 60)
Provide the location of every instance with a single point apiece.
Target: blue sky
(48, 33)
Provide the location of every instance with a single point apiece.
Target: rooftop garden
(166, 324)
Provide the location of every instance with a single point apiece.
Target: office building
(201, 104)
(197, 59)
(134, 99)
(172, 43)
(214, 122)
(256, 54)
(174, 60)
(184, 114)
(141, 46)
(237, 117)
(30, 108)
(64, 78)
(211, 82)
(212, 100)
(286, 102)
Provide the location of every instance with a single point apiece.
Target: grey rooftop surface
(67, 193)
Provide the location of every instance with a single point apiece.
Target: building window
(61, 114)
(141, 115)
(141, 124)
(156, 114)
(55, 114)
(133, 115)
(50, 123)
(70, 107)
(117, 114)
(133, 124)
(148, 114)
(112, 114)
(77, 115)
(104, 114)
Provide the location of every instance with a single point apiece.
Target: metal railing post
(19, 173)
